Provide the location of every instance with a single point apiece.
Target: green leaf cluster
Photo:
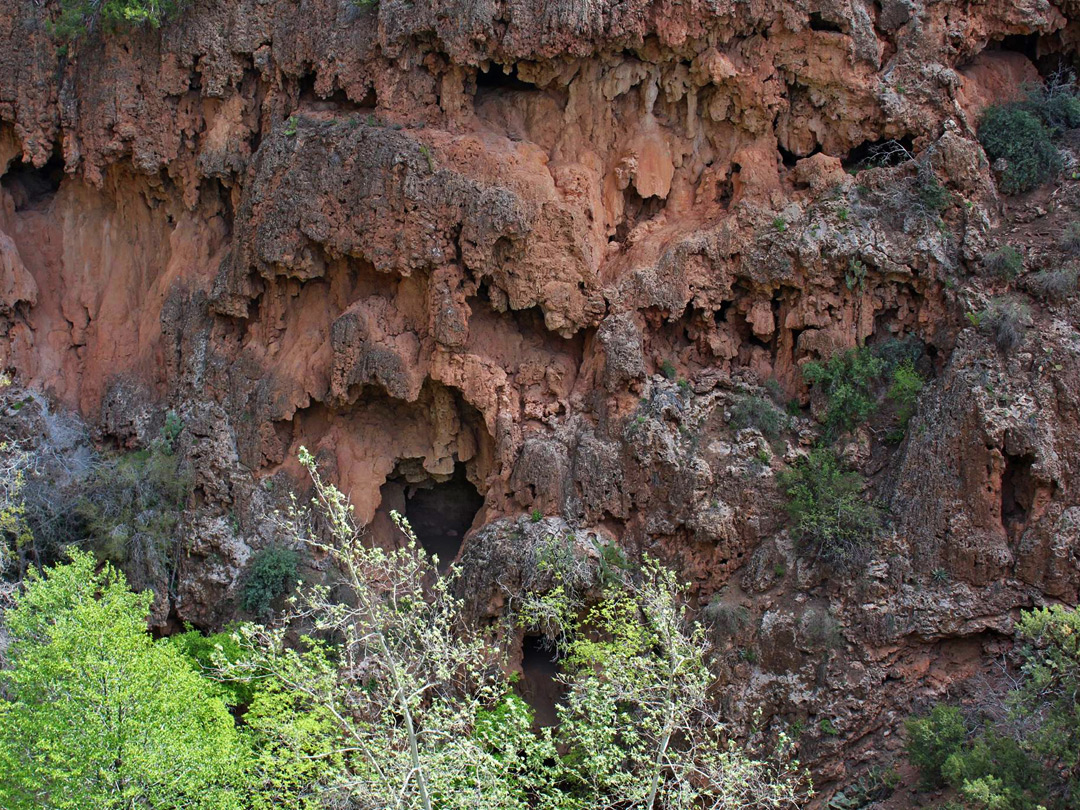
(271, 574)
(1022, 133)
(848, 379)
(825, 502)
(78, 17)
(97, 714)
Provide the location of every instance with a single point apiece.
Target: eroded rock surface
(555, 244)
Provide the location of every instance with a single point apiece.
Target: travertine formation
(555, 243)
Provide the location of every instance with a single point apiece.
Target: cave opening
(883, 152)
(636, 209)
(440, 508)
(495, 78)
(31, 187)
(819, 23)
(539, 686)
(1017, 493)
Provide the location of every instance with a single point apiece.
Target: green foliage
(1006, 262)
(637, 722)
(1021, 133)
(994, 772)
(855, 275)
(904, 391)
(536, 516)
(78, 17)
(667, 368)
(205, 652)
(271, 574)
(847, 379)
(831, 518)
(96, 714)
(171, 430)
(989, 771)
(759, 413)
(1051, 683)
(931, 740)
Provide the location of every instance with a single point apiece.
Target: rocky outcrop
(551, 247)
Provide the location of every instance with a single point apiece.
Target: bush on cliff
(78, 17)
(831, 517)
(1022, 133)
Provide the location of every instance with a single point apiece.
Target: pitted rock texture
(558, 243)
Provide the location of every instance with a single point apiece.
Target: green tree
(95, 714)
(638, 722)
(399, 711)
(1050, 689)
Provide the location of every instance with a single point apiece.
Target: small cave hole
(1017, 493)
(539, 686)
(30, 187)
(496, 79)
(1027, 44)
(819, 23)
(636, 209)
(439, 511)
(787, 157)
(883, 152)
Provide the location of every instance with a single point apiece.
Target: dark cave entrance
(440, 509)
(1017, 493)
(539, 686)
(31, 187)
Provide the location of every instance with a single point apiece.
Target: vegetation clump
(831, 517)
(96, 714)
(848, 379)
(271, 574)
(78, 17)
(1025, 754)
(1006, 321)
(1054, 285)
(1021, 133)
(1005, 262)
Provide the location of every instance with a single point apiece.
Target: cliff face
(543, 249)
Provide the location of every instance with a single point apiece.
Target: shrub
(1005, 319)
(1053, 285)
(759, 413)
(271, 574)
(131, 504)
(725, 620)
(1070, 239)
(825, 502)
(1005, 262)
(78, 17)
(1056, 102)
(1021, 133)
(994, 772)
(904, 391)
(931, 740)
(848, 379)
(1011, 133)
(1050, 685)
